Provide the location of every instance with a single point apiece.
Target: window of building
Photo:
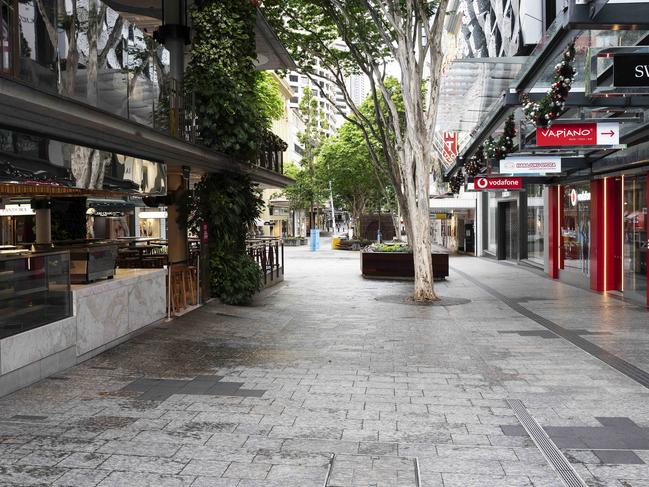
(294, 99)
(293, 78)
(635, 237)
(7, 35)
(535, 223)
(575, 228)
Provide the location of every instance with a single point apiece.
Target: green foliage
(269, 96)
(236, 279)
(393, 248)
(222, 77)
(230, 203)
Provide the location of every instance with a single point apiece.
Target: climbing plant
(229, 203)
(222, 78)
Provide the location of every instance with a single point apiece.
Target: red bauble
(255, 3)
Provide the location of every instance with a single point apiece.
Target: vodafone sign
(565, 134)
(497, 184)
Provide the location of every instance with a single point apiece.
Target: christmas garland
(476, 163)
(456, 182)
(492, 149)
(550, 106)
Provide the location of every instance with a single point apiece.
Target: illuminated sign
(530, 165)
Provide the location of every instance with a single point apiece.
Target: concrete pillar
(176, 234)
(43, 221)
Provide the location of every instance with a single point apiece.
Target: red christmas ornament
(255, 3)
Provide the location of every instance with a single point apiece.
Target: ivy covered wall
(222, 77)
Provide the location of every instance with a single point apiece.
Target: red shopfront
(598, 234)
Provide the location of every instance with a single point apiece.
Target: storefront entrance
(635, 238)
(508, 230)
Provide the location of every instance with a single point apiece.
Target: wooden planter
(399, 265)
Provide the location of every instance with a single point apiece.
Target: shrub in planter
(235, 279)
(385, 247)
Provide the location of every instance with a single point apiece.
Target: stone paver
(328, 363)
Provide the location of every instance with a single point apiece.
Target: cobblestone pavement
(328, 363)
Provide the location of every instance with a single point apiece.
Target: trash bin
(314, 239)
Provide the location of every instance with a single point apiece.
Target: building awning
(589, 26)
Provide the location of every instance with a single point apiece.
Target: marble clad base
(104, 314)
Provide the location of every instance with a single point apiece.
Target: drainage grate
(543, 442)
(349, 470)
(621, 365)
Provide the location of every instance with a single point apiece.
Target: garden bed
(399, 265)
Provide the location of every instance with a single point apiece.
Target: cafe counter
(102, 315)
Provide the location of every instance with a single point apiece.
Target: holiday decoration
(552, 104)
(476, 163)
(497, 149)
(456, 182)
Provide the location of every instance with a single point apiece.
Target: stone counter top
(123, 277)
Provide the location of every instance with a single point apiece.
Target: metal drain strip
(547, 447)
(417, 472)
(329, 467)
(610, 359)
(415, 462)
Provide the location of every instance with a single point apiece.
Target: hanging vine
(541, 113)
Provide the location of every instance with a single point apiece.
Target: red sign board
(497, 184)
(585, 133)
(205, 233)
(450, 145)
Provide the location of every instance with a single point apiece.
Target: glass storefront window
(535, 223)
(635, 237)
(575, 228)
(7, 26)
(493, 208)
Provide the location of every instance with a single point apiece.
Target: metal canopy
(603, 18)
(26, 109)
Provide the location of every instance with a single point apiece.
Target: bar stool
(191, 278)
(178, 288)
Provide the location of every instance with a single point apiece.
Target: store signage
(586, 133)
(205, 233)
(497, 184)
(630, 69)
(17, 210)
(578, 197)
(530, 165)
(153, 214)
(449, 140)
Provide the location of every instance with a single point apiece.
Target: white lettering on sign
(562, 133)
(530, 165)
(642, 71)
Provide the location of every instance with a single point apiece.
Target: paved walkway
(330, 363)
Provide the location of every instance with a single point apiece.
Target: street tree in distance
(375, 34)
(356, 184)
(311, 140)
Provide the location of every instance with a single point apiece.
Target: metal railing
(268, 253)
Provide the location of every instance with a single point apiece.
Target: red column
(605, 234)
(554, 230)
(597, 239)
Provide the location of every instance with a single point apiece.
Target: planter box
(399, 265)
(295, 243)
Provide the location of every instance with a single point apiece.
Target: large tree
(376, 34)
(356, 185)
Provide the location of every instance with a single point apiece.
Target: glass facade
(575, 228)
(85, 50)
(635, 237)
(535, 224)
(7, 35)
(491, 229)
